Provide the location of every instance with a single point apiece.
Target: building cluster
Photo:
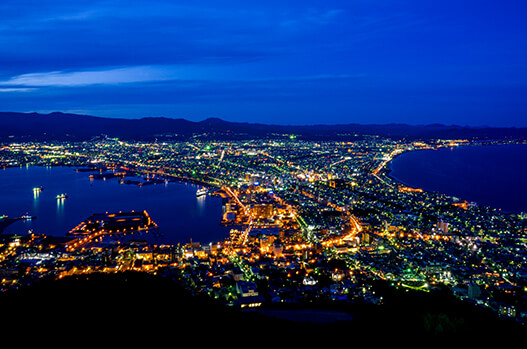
(311, 222)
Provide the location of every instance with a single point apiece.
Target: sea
(181, 216)
(489, 175)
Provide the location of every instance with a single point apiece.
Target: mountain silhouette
(74, 127)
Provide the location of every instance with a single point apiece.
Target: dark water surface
(180, 215)
(491, 175)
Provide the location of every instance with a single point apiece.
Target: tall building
(442, 227)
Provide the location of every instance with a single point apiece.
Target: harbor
(114, 224)
(172, 203)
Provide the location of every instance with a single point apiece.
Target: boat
(202, 191)
(62, 196)
(28, 217)
(37, 190)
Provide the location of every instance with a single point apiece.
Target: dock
(100, 224)
(5, 222)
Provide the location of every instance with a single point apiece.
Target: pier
(7, 221)
(100, 224)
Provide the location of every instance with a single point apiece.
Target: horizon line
(260, 123)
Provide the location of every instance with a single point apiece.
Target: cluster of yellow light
(387, 159)
(457, 142)
(403, 189)
(425, 237)
(332, 242)
(251, 305)
(144, 267)
(420, 144)
(7, 252)
(463, 205)
(201, 254)
(85, 240)
(302, 246)
(8, 281)
(265, 249)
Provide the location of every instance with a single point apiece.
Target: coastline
(170, 177)
(170, 233)
(389, 173)
(388, 170)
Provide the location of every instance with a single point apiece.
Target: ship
(202, 191)
(62, 196)
(28, 217)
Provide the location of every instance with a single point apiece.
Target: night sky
(281, 62)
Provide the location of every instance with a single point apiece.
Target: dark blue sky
(283, 62)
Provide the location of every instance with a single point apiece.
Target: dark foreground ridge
(74, 127)
(135, 305)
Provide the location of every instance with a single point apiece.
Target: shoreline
(388, 171)
(167, 236)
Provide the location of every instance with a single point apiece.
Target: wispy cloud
(93, 77)
(147, 74)
(16, 89)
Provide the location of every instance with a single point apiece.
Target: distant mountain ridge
(75, 127)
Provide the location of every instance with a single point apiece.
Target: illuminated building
(442, 227)
(248, 296)
(264, 210)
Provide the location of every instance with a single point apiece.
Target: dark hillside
(60, 126)
(138, 306)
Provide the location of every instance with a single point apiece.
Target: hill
(75, 127)
(137, 306)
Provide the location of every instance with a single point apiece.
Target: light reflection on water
(180, 215)
(201, 204)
